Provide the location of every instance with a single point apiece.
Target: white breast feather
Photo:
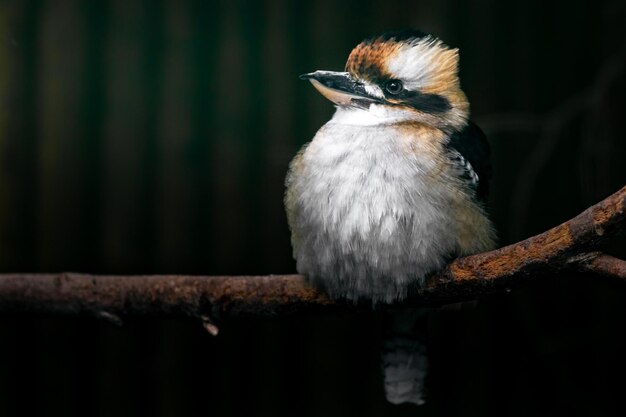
(369, 218)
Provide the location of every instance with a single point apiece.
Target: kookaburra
(393, 186)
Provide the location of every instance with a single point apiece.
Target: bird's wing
(469, 151)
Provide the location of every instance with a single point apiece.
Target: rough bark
(566, 247)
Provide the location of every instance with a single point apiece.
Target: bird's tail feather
(404, 357)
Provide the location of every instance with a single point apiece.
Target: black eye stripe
(428, 103)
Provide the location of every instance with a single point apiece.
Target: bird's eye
(393, 86)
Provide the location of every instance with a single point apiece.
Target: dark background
(154, 136)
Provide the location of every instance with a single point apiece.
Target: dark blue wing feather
(469, 150)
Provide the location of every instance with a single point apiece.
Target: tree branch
(601, 264)
(563, 248)
(550, 251)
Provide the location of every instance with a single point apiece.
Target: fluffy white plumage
(373, 211)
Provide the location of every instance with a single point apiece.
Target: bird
(392, 188)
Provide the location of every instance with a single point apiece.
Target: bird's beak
(341, 88)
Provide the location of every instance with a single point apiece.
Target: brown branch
(562, 248)
(197, 296)
(601, 264)
(548, 251)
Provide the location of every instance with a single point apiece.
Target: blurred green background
(154, 136)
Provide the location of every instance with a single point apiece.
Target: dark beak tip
(306, 76)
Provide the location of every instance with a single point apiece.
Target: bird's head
(405, 76)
